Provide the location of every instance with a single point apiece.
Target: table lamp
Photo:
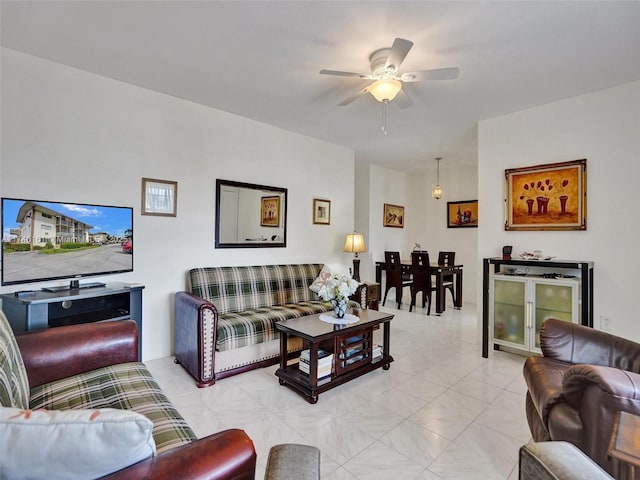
(355, 244)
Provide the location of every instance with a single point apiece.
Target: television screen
(54, 240)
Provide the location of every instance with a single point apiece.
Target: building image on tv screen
(50, 240)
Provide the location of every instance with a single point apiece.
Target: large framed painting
(393, 216)
(462, 214)
(270, 211)
(547, 197)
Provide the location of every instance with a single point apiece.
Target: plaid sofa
(225, 321)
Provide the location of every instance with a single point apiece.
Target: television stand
(74, 285)
(40, 309)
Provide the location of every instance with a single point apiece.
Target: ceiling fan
(386, 79)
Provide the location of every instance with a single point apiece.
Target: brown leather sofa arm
(62, 352)
(579, 344)
(544, 382)
(617, 383)
(227, 455)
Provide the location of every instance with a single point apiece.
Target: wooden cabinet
(519, 306)
(373, 294)
(518, 295)
(352, 351)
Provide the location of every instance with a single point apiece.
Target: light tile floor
(440, 412)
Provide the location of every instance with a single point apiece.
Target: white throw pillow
(71, 444)
(322, 279)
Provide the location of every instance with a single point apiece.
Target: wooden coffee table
(623, 447)
(351, 345)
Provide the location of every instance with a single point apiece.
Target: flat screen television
(44, 241)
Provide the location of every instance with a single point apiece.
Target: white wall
(604, 128)
(459, 183)
(426, 218)
(68, 135)
(386, 186)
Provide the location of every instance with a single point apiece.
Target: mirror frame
(252, 186)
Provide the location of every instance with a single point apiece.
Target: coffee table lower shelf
(292, 377)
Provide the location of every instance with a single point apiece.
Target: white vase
(339, 307)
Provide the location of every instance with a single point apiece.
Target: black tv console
(29, 310)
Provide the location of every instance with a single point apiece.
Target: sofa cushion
(71, 444)
(126, 386)
(236, 289)
(14, 384)
(291, 461)
(557, 461)
(251, 327)
(321, 280)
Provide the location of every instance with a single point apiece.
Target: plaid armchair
(93, 366)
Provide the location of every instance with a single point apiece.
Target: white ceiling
(261, 60)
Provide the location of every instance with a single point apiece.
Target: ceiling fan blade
(343, 74)
(350, 99)
(435, 74)
(403, 100)
(399, 51)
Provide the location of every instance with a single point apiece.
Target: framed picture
(393, 216)
(547, 197)
(159, 197)
(321, 211)
(462, 214)
(270, 211)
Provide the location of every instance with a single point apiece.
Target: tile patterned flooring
(440, 412)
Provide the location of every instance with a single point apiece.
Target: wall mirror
(250, 216)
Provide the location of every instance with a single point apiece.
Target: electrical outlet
(605, 323)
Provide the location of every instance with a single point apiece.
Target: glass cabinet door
(509, 311)
(553, 301)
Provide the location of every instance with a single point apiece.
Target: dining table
(439, 272)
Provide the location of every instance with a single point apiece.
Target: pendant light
(437, 189)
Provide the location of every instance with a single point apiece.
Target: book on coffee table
(325, 363)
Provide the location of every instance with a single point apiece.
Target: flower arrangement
(337, 289)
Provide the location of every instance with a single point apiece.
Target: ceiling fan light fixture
(385, 89)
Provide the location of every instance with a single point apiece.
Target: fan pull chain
(384, 116)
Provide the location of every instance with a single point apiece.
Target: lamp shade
(355, 243)
(385, 89)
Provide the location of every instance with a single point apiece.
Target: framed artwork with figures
(321, 211)
(393, 216)
(547, 197)
(270, 211)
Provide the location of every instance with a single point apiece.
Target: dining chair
(395, 277)
(448, 259)
(422, 282)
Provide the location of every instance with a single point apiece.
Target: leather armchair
(575, 389)
(61, 352)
